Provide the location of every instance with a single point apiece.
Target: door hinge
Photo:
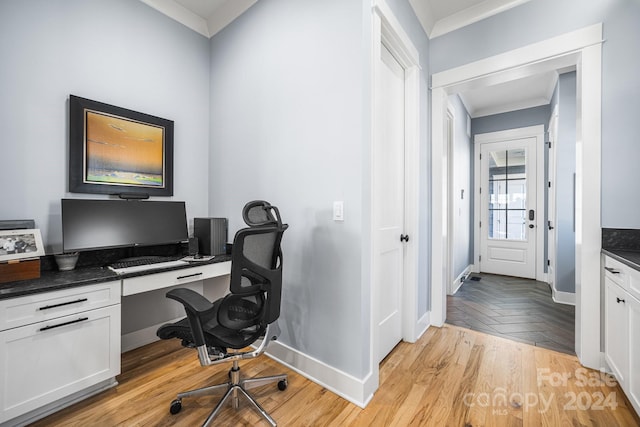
(479, 257)
(480, 226)
(548, 262)
(480, 190)
(549, 184)
(480, 156)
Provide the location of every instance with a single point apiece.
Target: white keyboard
(147, 267)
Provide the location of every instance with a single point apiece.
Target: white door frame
(506, 135)
(449, 134)
(552, 241)
(386, 28)
(583, 49)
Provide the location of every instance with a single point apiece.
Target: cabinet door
(616, 334)
(634, 353)
(46, 361)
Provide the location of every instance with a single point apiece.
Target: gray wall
(541, 19)
(290, 123)
(120, 52)
(565, 195)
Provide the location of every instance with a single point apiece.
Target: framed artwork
(18, 244)
(113, 150)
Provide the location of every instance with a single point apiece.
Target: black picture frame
(113, 150)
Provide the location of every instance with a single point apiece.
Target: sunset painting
(120, 151)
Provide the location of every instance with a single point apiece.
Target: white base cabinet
(58, 344)
(622, 326)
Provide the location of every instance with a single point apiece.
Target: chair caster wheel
(282, 385)
(175, 407)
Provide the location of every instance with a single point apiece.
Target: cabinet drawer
(616, 272)
(16, 312)
(47, 361)
(149, 282)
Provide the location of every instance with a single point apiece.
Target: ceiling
(437, 17)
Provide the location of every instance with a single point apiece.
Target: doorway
(509, 203)
(581, 48)
(392, 45)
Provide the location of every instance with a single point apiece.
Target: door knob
(531, 225)
(404, 237)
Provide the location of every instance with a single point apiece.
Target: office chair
(220, 330)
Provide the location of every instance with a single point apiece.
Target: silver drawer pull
(189, 275)
(46, 328)
(612, 270)
(47, 307)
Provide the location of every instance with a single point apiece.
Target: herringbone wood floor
(513, 308)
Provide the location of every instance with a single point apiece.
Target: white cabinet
(622, 326)
(55, 344)
(616, 321)
(633, 380)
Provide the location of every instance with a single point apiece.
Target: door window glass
(507, 194)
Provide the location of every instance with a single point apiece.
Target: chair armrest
(190, 299)
(196, 307)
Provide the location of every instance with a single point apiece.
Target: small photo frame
(18, 244)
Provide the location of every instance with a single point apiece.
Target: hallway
(518, 309)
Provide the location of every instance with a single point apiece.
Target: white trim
(583, 49)
(439, 206)
(560, 297)
(552, 213)
(528, 60)
(179, 13)
(450, 141)
(472, 14)
(208, 27)
(356, 391)
(457, 282)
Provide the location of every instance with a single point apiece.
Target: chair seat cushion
(215, 336)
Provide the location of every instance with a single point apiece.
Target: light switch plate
(338, 211)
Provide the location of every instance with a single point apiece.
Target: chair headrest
(259, 213)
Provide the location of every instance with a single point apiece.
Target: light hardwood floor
(451, 377)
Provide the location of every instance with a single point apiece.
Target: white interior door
(389, 204)
(509, 214)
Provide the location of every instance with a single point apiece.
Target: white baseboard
(142, 337)
(457, 282)
(560, 297)
(423, 324)
(356, 391)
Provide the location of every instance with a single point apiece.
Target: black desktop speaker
(211, 234)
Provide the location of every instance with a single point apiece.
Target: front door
(508, 211)
(388, 161)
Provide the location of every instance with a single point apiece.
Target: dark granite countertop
(55, 280)
(630, 258)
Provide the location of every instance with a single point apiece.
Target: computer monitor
(100, 224)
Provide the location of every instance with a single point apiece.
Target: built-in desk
(60, 335)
